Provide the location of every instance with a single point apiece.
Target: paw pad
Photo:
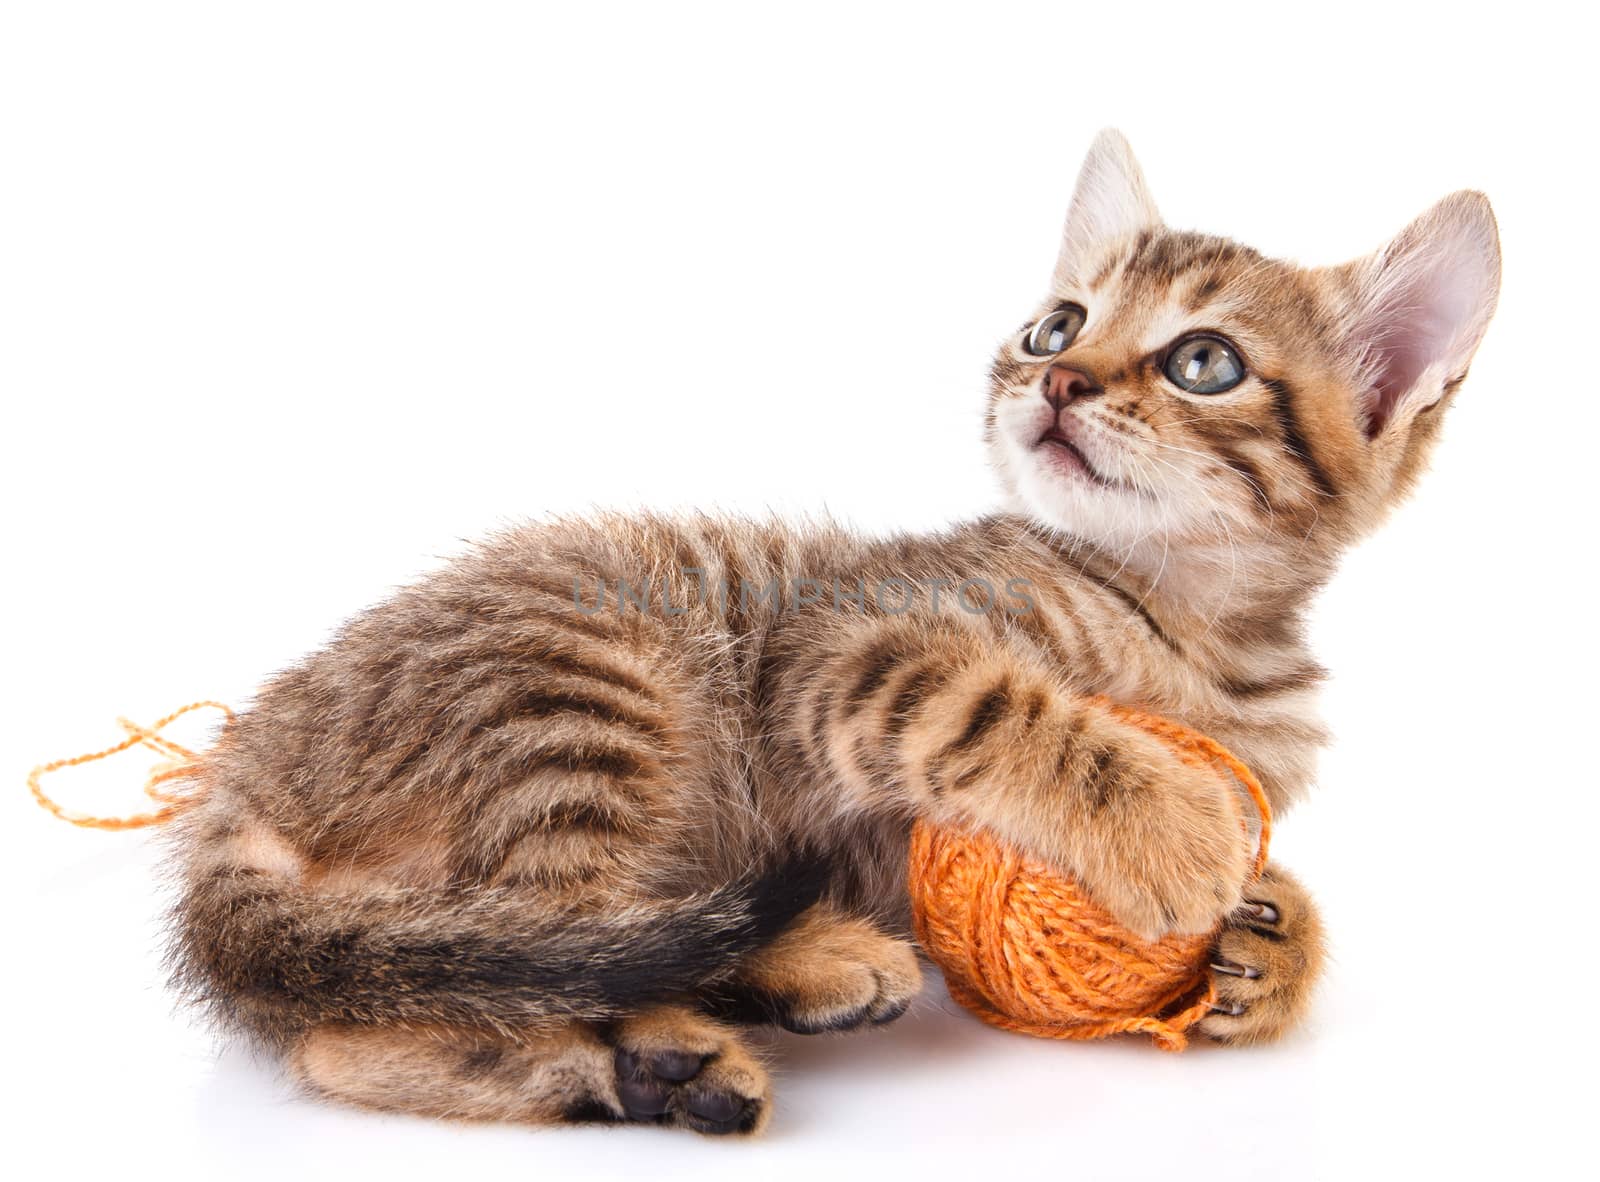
(664, 1075)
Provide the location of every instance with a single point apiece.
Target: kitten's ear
(1110, 202)
(1422, 305)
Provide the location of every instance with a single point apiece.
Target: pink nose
(1062, 385)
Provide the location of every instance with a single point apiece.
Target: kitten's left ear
(1110, 202)
(1422, 305)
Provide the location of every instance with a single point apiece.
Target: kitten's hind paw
(676, 1067)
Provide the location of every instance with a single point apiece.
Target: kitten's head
(1181, 395)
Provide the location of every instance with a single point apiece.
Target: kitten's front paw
(1165, 849)
(1267, 961)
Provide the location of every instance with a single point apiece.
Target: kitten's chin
(1056, 483)
(1056, 489)
(1056, 478)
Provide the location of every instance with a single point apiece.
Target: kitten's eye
(1204, 365)
(1055, 332)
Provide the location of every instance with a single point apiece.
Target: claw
(1261, 912)
(1232, 1008)
(1235, 970)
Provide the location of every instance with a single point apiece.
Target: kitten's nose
(1062, 385)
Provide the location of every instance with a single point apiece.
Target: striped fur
(509, 842)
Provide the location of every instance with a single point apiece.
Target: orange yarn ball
(1025, 949)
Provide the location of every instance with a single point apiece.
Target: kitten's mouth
(1066, 455)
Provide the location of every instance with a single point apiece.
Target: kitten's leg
(457, 1073)
(666, 1065)
(1268, 958)
(958, 725)
(828, 971)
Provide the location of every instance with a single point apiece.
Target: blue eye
(1055, 332)
(1204, 365)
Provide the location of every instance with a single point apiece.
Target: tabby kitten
(534, 839)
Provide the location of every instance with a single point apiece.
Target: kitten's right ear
(1110, 202)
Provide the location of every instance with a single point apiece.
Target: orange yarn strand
(180, 763)
(1025, 949)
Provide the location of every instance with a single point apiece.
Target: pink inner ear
(1434, 294)
(1414, 337)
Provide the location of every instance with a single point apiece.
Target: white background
(293, 298)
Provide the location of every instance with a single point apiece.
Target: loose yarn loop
(1025, 949)
(180, 763)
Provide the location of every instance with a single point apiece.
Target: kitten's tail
(273, 957)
